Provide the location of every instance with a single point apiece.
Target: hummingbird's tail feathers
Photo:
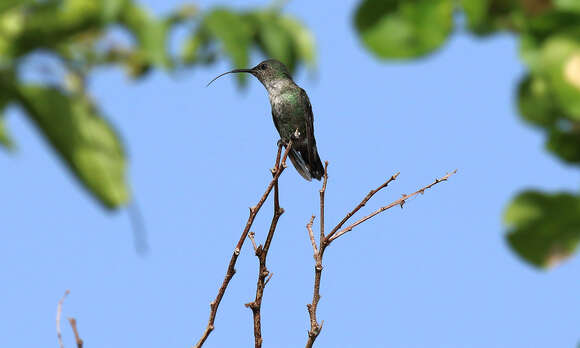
(306, 170)
(316, 167)
(299, 163)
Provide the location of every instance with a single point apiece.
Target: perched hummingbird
(292, 114)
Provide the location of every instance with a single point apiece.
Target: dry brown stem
(73, 325)
(264, 275)
(400, 202)
(58, 315)
(276, 172)
(336, 232)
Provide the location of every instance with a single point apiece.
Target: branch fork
(278, 169)
(336, 232)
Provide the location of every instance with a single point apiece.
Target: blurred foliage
(543, 226)
(75, 128)
(402, 28)
(81, 35)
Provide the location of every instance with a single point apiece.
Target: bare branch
(360, 205)
(400, 202)
(58, 315)
(336, 232)
(269, 277)
(251, 236)
(262, 254)
(311, 234)
(315, 328)
(322, 193)
(73, 325)
(231, 267)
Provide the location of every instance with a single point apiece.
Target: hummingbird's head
(267, 72)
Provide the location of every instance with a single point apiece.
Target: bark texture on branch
(276, 172)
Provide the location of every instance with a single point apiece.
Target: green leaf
(404, 29)
(530, 50)
(9, 4)
(543, 229)
(535, 102)
(234, 34)
(5, 139)
(559, 63)
(550, 23)
(277, 43)
(82, 138)
(272, 38)
(567, 5)
(565, 144)
(196, 48)
(151, 36)
(7, 81)
(302, 38)
(50, 24)
(485, 17)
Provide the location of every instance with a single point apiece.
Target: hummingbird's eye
(262, 67)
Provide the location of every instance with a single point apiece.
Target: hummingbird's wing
(314, 163)
(310, 141)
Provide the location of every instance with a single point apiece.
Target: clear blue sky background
(435, 274)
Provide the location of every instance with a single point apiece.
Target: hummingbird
(292, 115)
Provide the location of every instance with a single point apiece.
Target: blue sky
(437, 273)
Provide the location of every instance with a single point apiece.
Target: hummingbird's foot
(281, 142)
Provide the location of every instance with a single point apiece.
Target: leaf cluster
(84, 35)
(548, 95)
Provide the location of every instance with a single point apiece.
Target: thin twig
(311, 234)
(360, 205)
(315, 328)
(251, 236)
(322, 193)
(264, 274)
(270, 275)
(231, 267)
(58, 315)
(336, 232)
(73, 325)
(401, 201)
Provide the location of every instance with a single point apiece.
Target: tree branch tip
(268, 279)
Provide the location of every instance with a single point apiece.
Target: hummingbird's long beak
(230, 72)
